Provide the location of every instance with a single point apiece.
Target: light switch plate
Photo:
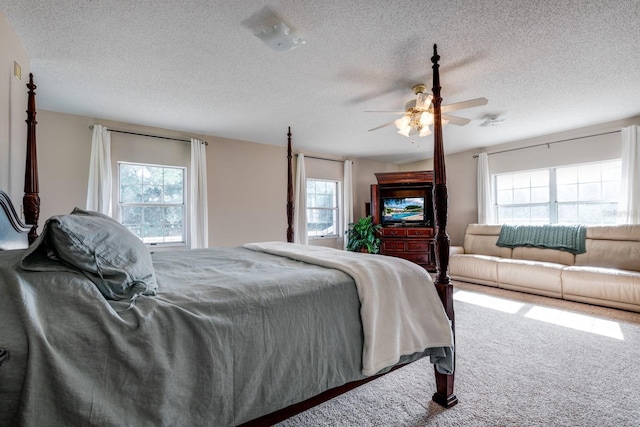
(17, 71)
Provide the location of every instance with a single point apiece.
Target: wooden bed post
(444, 383)
(31, 200)
(289, 191)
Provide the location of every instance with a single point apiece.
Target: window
(151, 202)
(523, 197)
(586, 194)
(322, 208)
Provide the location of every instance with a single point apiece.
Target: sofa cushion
(456, 250)
(539, 277)
(606, 286)
(544, 255)
(622, 254)
(629, 232)
(475, 268)
(481, 239)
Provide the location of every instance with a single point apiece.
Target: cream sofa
(607, 274)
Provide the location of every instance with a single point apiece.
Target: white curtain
(629, 203)
(300, 204)
(347, 195)
(198, 214)
(99, 186)
(486, 213)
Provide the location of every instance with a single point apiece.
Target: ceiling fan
(418, 114)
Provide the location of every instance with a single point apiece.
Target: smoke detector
(280, 38)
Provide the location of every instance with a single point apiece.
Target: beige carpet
(513, 369)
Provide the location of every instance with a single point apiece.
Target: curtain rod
(475, 156)
(149, 136)
(322, 158)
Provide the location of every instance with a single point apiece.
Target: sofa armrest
(453, 250)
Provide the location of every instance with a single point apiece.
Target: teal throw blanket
(569, 238)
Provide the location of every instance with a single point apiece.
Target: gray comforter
(231, 335)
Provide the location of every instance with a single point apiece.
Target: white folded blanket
(400, 308)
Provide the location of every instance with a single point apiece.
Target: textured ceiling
(195, 66)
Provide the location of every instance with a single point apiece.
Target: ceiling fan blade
(464, 104)
(382, 126)
(460, 121)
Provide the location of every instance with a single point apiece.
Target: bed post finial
(444, 383)
(31, 199)
(289, 190)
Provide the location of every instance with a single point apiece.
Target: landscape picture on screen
(403, 209)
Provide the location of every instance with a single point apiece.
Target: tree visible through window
(322, 208)
(151, 202)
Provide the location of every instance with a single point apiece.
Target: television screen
(403, 209)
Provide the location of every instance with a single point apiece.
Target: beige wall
(247, 185)
(64, 148)
(461, 167)
(363, 176)
(13, 104)
(247, 182)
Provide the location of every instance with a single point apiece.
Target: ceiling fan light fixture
(405, 131)
(418, 116)
(415, 123)
(403, 122)
(425, 131)
(406, 125)
(426, 119)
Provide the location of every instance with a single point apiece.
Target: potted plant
(364, 236)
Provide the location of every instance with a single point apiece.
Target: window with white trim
(323, 208)
(585, 194)
(523, 197)
(151, 202)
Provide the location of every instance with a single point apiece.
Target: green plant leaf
(364, 234)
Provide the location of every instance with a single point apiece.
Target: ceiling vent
(493, 120)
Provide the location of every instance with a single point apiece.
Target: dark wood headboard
(13, 232)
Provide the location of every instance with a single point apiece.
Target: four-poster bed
(180, 374)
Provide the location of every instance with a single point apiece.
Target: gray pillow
(98, 246)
